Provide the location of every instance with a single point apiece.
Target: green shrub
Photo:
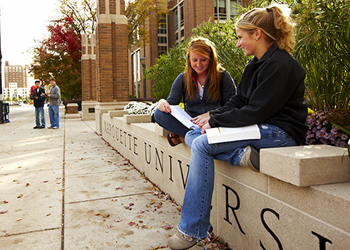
(323, 38)
(168, 67)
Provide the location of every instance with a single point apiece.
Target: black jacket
(41, 97)
(271, 91)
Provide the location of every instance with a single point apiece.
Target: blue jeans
(54, 116)
(39, 112)
(195, 216)
(170, 123)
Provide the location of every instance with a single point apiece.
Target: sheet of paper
(182, 116)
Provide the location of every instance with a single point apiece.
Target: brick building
(174, 28)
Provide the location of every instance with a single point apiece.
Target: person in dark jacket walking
(270, 94)
(204, 86)
(39, 96)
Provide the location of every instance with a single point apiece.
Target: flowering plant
(347, 132)
(324, 128)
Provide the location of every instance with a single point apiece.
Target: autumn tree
(139, 14)
(84, 14)
(59, 55)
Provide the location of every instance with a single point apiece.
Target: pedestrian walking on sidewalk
(55, 100)
(39, 96)
(270, 94)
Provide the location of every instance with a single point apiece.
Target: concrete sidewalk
(68, 189)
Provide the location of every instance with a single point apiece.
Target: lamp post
(143, 63)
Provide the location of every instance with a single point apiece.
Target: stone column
(112, 86)
(88, 76)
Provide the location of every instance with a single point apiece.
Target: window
(162, 50)
(179, 22)
(162, 35)
(226, 9)
(220, 9)
(182, 23)
(176, 21)
(162, 24)
(162, 39)
(234, 7)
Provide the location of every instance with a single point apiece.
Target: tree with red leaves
(59, 57)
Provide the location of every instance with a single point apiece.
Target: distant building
(14, 92)
(174, 28)
(16, 81)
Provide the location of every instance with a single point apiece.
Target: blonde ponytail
(275, 23)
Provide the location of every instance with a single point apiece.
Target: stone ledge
(137, 119)
(160, 130)
(117, 113)
(247, 206)
(305, 166)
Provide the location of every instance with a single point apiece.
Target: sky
(22, 21)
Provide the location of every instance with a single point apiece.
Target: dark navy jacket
(196, 106)
(271, 91)
(41, 97)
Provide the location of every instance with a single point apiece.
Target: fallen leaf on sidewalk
(6, 202)
(45, 181)
(118, 220)
(4, 212)
(168, 227)
(158, 247)
(106, 215)
(27, 184)
(131, 223)
(129, 206)
(20, 196)
(19, 219)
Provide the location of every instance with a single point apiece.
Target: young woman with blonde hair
(204, 86)
(270, 94)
